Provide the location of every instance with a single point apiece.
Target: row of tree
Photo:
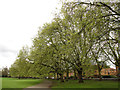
(80, 36)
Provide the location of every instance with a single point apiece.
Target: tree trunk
(118, 69)
(99, 71)
(80, 75)
(54, 76)
(100, 78)
(19, 77)
(67, 76)
(75, 76)
(57, 76)
(61, 78)
(118, 72)
(49, 76)
(119, 47)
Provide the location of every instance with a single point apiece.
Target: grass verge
(19, 83)
(86, 84)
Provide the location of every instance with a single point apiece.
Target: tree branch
(109, 8)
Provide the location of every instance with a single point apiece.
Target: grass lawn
(86, 84)
(19, 83)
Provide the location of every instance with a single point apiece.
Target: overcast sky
(19, 23)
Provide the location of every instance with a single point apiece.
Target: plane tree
(85, 29)
(21, 66)
(111, 12)
(48, 48)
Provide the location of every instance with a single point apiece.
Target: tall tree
(111, 12)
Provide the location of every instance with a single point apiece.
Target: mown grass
(86, 84)
(19, 83)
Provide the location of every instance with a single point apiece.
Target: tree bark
(100, 78)
(119, 46)
(118, 72)
(19, 77)
(54, 75)
(67, 76)
(99, 71)
(80, 75)
(57, 76)
(61, 78)
(75, 76)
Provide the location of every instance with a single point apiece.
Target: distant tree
(21, 66)
(5, 72)
(0, 73)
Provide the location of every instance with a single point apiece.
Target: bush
(109, 76)
(96, 76)
(71, 77)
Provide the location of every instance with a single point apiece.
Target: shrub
(109, 76)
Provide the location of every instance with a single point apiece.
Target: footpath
(45, 85)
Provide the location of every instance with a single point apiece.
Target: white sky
(19, 23)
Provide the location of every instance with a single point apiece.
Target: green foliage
(80, 37)
(21, 66)
(5, 72)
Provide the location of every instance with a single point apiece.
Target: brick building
(107, 71)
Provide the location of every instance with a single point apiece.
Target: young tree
(21, 66)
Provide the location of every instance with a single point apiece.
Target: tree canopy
(80, 36)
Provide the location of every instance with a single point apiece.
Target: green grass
(19, 83)
(86, 84)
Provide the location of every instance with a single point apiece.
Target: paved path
(44, 85)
